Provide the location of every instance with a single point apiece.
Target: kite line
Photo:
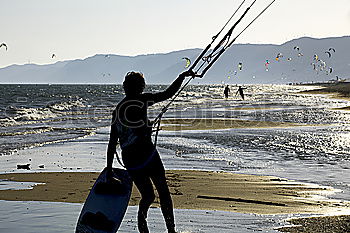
(207, 61)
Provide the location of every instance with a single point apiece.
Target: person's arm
(170, 91)
(112, 144)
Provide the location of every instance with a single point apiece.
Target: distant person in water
(132, 129)
(240, 91)
(226, 91)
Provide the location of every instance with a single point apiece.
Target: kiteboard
(106, 204)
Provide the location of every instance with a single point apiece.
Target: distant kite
(328, 53)
(104, 74)
(279, 55)
(267, 65)
(231, 73)
(331, 49)
(314, 66)
(188, 62)
(240, 66)
(53, 55)
(3, 44)
(298, 49)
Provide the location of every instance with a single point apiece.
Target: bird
(3, 44)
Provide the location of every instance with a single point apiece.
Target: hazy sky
(35, 29)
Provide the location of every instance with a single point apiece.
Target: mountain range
(259, 65)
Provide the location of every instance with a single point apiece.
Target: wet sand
(212, 124)
(190, 190)
(329, 224)
(202, 189)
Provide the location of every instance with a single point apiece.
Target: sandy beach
(204, 190)
(192, 190)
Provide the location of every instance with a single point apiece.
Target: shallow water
(65, 128)
(13, 185)
(36, 115)
(39, 217)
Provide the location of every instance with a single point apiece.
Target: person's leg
(144, 185)
(166, 203)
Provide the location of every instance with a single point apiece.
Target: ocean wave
(67, 106)
(24, 114)
(62, 111)
(30, 131)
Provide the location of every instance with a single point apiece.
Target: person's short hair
(134, 83)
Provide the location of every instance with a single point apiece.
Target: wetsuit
(131, 126)
(240, 91)
(226, 91)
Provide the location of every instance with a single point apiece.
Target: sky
(75, 29)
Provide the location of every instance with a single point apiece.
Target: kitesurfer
(132, 129)
(240, 91)
(226, 91)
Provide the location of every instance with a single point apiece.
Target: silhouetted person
(226, 91)
(132, 129)
(240, 91)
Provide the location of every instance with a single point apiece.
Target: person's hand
(188, 73)
(109, 175)
(111, 178)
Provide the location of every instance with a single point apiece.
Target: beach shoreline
(205, 190)
(339, 90)
(191, 189)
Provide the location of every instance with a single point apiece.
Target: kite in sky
(267, 65)
(328, 53)
(240, 66)
(188, 62)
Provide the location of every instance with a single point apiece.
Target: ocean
(66, 127)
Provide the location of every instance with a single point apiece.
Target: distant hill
(163, 68)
